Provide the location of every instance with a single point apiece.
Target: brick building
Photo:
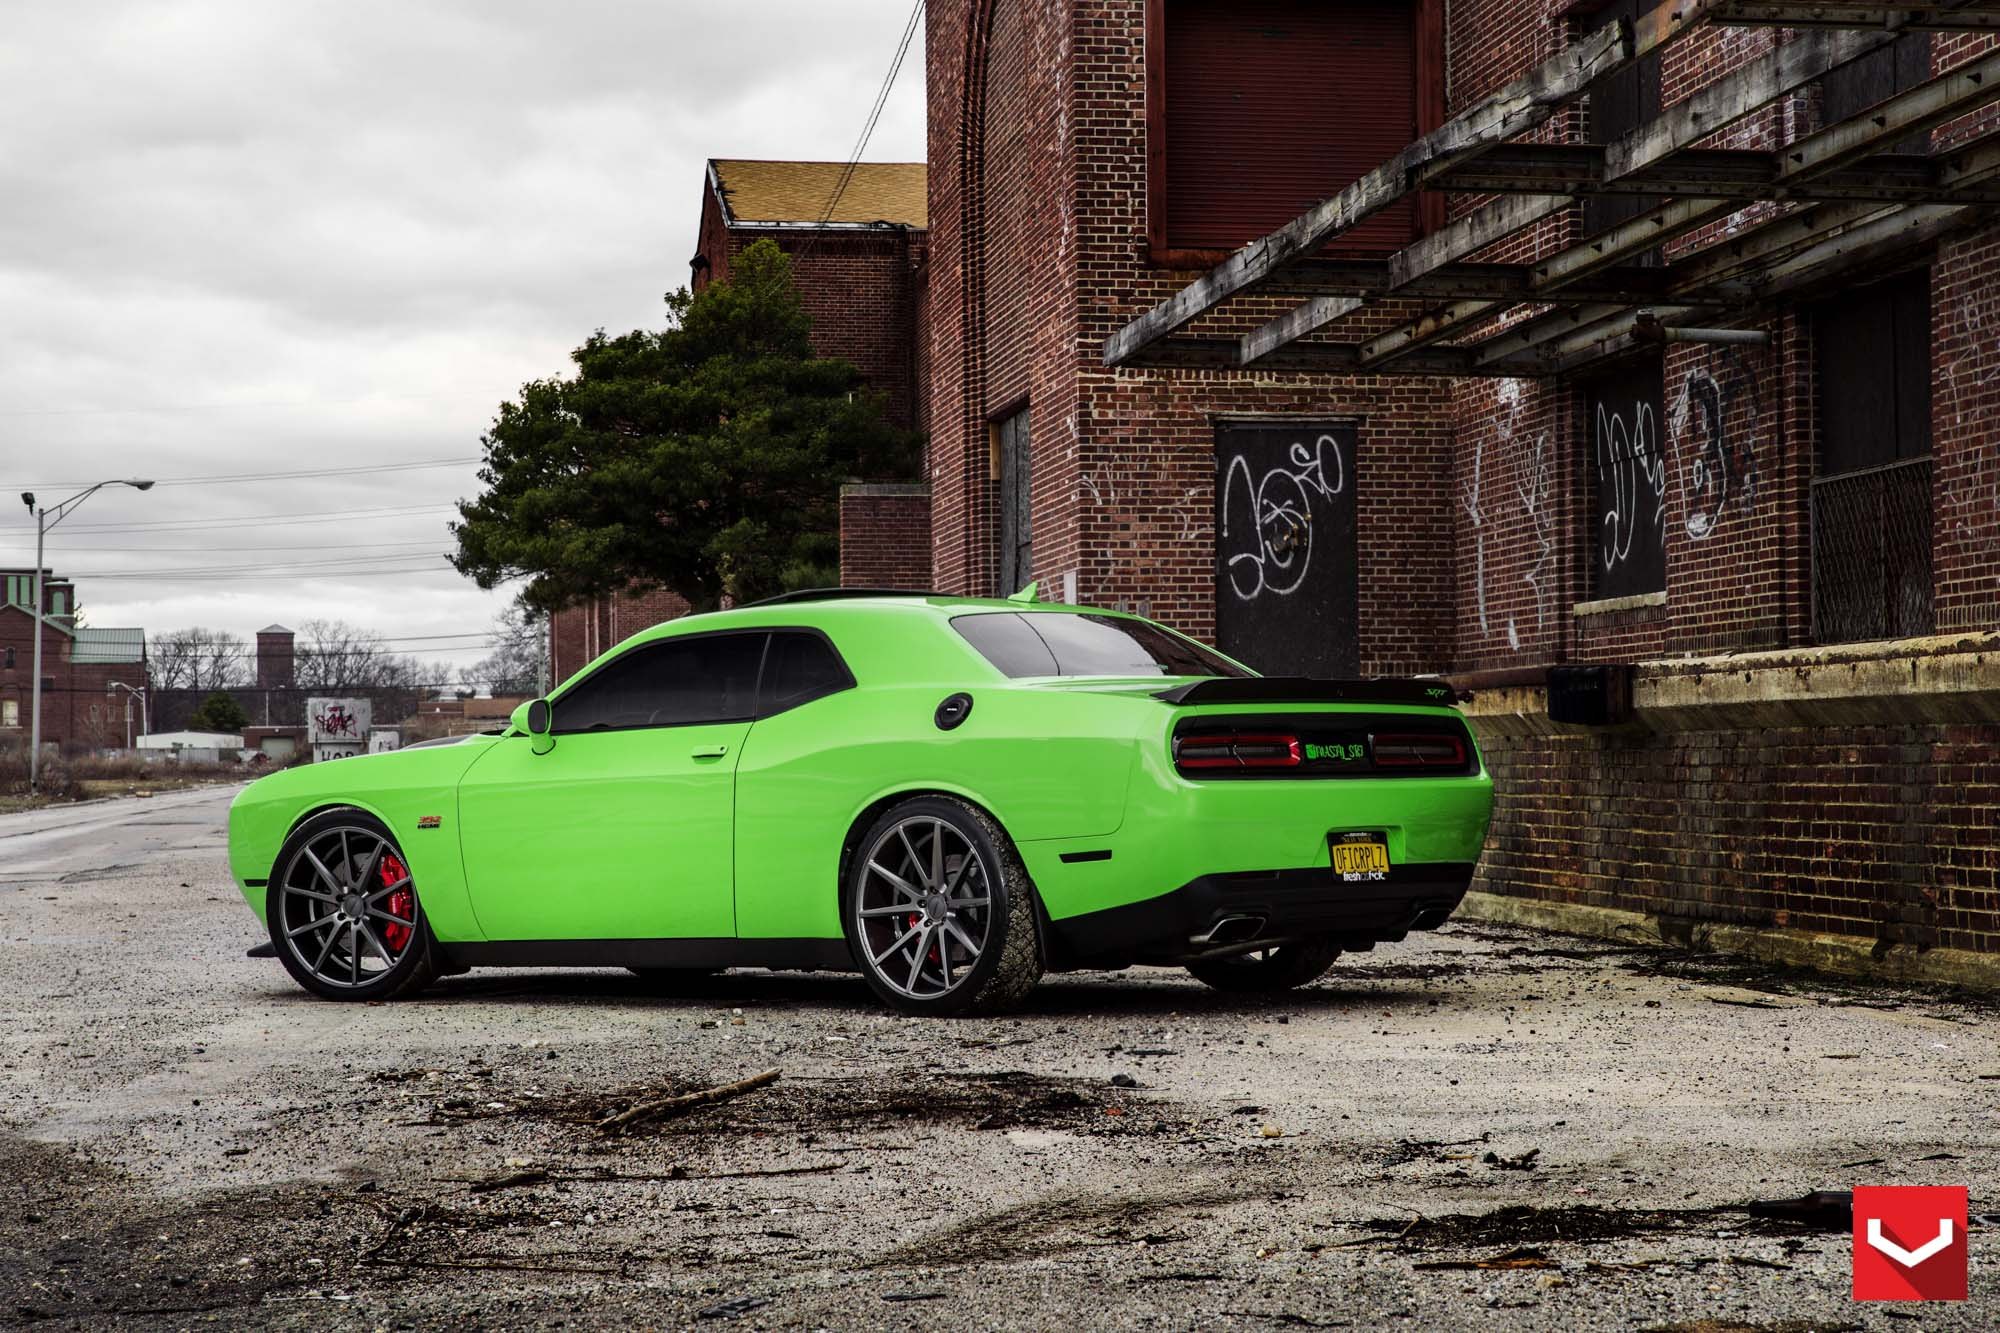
(80, 707)
(1677, 364)
(857, 248)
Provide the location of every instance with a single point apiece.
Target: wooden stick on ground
(687, 1101)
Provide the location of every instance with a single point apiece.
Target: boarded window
(1630, 480)
(1016, 528)
(1266, 107)
(1871, 502)
(1619, 104)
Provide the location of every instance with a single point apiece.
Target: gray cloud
(252, 237)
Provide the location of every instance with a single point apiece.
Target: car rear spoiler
(1308, 689)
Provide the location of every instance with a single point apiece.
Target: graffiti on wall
(1714, 431)
(1534, 484)
(1265, 533)
(1287, 580)
(1629, 475)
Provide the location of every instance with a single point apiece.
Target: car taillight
(1236, 750)
(1419, 750)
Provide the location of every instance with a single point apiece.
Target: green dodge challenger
(949, 795)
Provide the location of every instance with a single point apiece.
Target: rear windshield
(1060, 643)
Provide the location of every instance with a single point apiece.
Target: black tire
(1008, 962)
(297, 892)
(1266, 973)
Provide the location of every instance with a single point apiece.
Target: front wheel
(940, 912)
(344, 914)
(1282, 967)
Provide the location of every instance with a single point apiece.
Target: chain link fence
(1871, 552)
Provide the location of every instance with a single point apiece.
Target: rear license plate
(1359, 856)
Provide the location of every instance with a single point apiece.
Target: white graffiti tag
(1722, 460)
(1631, 476)
(1267, 524)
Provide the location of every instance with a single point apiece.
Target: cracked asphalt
(1482, 1127)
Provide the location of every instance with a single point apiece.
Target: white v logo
(1909, 1258)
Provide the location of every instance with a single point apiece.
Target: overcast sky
(271, 236)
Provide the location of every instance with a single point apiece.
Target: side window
(798, 669)
(670, 683)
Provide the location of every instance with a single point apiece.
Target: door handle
(710, 751)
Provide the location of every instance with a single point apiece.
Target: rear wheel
(1267, 971)
(343, 911)
(939, 911)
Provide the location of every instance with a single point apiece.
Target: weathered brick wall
(885, 536)
(1885, 832)
(861, 288)
(78, 710)
(1123, 462)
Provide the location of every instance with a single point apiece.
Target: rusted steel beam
(1921, 18)
(1929, 104)
(1742, 174)
(1306, 317)
(1499, 282)
(1187, 352)
(1472, 233)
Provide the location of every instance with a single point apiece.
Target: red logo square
(1909, 1243)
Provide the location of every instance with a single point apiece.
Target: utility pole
(43, 522)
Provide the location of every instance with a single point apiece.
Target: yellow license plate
(1359, 857)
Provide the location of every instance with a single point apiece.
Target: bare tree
(334, 655)
(516, 658)
(197, 659)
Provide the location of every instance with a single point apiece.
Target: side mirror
(536, 718)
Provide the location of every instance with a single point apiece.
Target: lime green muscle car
(948, 795)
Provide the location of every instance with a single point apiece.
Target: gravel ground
(1484, 1127)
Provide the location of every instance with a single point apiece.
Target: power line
(252, 549)
(265, 520)
(342, 562)
(232, 478)
(868, 127)
(339, 575)
(313, 404)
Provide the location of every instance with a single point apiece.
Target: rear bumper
(1281, 903)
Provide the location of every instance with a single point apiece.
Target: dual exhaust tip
(1229, 930)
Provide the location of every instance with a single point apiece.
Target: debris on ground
(667, 1107)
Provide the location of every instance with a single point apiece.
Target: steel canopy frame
(1842, 204)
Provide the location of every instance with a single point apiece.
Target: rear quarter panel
(1048, 764)
(397, 788)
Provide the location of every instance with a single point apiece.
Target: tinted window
(798, 669)
(672, 683)
(1063, 644)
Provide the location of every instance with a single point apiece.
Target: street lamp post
(132, 692)
(46, 518)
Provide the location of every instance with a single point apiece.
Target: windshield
(1061, 643)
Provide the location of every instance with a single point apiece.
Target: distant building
(80, 664)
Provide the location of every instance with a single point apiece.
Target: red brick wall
(1476, 497)
(1038, 252)
(78, 712)
(861, 287)
(1885, 832)
(885, 536)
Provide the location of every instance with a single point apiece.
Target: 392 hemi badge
(430, 821)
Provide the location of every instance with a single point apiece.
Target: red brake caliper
(401, 903)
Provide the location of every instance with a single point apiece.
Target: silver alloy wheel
(924, 907)
(347, 907)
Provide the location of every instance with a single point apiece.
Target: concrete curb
(1841, 955)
